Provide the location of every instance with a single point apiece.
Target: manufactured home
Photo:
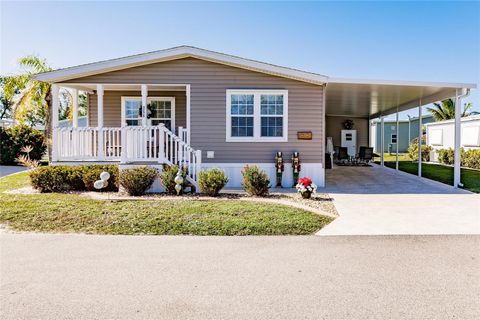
(206, 109)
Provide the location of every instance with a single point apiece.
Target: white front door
(349, 140)
(161, 110)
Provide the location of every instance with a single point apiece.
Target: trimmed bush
(255, 181)
(167, 178)
(445, 156)
(212, 181)
(471, 158)
(13, 139)
(91, 173)
(137, 180)
(413, 151)
(71, 178)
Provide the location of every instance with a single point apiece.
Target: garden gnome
(295, 167)
(279, 168)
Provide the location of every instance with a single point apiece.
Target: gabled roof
(178, 53)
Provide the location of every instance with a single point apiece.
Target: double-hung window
(393, 138)
(257, 115)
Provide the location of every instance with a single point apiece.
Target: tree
(31, 98)
(5, 104)
(446, 110)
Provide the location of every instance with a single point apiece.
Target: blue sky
(430, 41)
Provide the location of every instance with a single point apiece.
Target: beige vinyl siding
(209, 82)
(335, 126)
(112, 106)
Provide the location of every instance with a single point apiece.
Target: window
(161, 110)
(393, 138)
(132, 112)
(257, 115)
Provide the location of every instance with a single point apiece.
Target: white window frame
(256, 115)
(391, 138)
(150, 99)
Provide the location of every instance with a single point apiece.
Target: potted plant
(306, 187)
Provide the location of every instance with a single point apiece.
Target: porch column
(144, 104)
(75, 108)
(55, 106)
(101, 148)
(457, 144)
(382, 140)
(187, 92)
(420, 133)
(397, 132)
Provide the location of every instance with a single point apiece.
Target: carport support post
(420, 133)
(456, 148)
(382, 139)
(396, 144)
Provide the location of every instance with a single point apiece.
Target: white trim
(178, 53)
(401, 83)
(256, 115)
(149, 99)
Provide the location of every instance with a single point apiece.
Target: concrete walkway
(186, 277)
(382, 201)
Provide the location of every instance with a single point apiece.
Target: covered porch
(128, 124)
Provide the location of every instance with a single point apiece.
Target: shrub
(471, 158)
(13, 139)
(413, 151)
(67, 178)
(445, 156)
(167, 178)
(255, 181)
(212, 181)
(137, 180)
(91, 173)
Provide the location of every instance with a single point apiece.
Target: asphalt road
(125, 277)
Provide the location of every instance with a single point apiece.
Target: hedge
(14, 138)
(72, 178)
(468, 158)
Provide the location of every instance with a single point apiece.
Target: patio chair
(342, 156)
(365, 155)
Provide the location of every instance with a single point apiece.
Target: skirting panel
(234, 172)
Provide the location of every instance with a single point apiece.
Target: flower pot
(306, 194)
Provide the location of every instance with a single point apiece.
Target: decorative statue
(279, 168)
(296, 167)
(179, 182)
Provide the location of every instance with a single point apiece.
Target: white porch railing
(128, 144)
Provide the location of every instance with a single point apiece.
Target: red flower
(306, 181)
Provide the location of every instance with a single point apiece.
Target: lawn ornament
(296, 167)
(279, 167)
(103, 182)
(179, 182)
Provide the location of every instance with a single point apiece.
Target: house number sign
(304, 135)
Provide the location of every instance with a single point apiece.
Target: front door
(349, 140)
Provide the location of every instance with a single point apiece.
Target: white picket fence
(129, 144)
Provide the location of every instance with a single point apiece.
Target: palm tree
(31, 98)
(446, 110)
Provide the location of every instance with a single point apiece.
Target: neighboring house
(203, 109)
(82, 122)
(441, 135)
(407, 131)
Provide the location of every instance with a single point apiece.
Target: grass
(469, 178)
(71, 213)
(392, 157)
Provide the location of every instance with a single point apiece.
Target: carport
(364, 100)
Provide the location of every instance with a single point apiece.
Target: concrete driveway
(382, 201)
(186, 277)
(7, 170)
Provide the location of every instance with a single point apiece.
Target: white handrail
(129, 144)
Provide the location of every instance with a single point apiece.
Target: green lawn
(72, 213)
(392, 157)
(470, 178)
